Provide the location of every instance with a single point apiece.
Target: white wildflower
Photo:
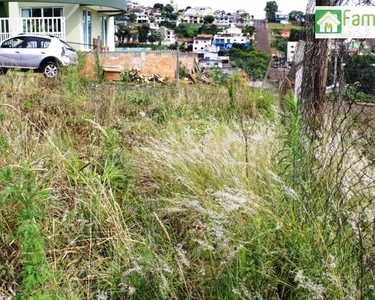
(317, 290)
(279, 225)
(182, 255)
(142, 114)
(131, 290)
(196, 206)
(235, 291)
(257, 137)
(204, 246)
(101, 295)
(136, 269)
(232, 200)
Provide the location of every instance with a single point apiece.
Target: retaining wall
(163, 63)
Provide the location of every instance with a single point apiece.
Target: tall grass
(118, 192)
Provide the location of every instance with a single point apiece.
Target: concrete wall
(163, 63)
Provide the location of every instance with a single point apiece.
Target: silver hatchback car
(42, 53)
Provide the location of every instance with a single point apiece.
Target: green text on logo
(328, 21)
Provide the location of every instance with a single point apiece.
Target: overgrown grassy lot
(280, 26)
(200, 192)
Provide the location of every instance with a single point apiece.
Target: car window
(37, 42)
(67, 45)
(16, 42)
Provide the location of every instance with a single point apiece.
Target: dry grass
(159, 193)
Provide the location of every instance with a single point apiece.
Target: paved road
(261, 37)
(263, 44)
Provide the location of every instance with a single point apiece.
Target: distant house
(329, 23)
(232, 35)
(195, 15)
(291, 50)
(281, 17)
(202, 41)
(282, 33)
(77, 22)
(359, 47)
(224, 20)
(186, 43)
(168, 36)
(131, 4)
(142, 18)
(158, 18)
(212, 59)
(285, 33)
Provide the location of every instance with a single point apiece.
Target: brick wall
(163, 63)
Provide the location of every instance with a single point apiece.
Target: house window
(45, 25)
(42, 12)
(86, 26)
(103, 30)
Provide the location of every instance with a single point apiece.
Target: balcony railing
(38, 26)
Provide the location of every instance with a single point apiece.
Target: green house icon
(328, 21)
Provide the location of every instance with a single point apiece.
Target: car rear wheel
(50, 69)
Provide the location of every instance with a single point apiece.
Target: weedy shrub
(23, 193)
(99, 71)
(158, 193)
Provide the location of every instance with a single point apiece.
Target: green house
(77, 22)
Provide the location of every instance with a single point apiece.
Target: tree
(253, 62)
(244, 17)
(359, 70)
(132, 17)
(187, 30)
(315, 74)
(280, 44)
(168, 8)
(208, 29)
(159, 6)
(154, 37)
(209, 19)
(271, 9)
(168, 24)
(297, 35)
(297, 16)
(143, 32)
(123, 33)
(248, 30)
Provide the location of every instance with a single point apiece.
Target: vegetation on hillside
(271, 9)
(253, 62)
(196, 192)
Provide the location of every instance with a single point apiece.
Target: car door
(34, 51)
(10, 52)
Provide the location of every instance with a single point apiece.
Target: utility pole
(178, 67)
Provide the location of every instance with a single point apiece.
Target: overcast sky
(254, 7)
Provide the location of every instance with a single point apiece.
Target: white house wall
(73, 21)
